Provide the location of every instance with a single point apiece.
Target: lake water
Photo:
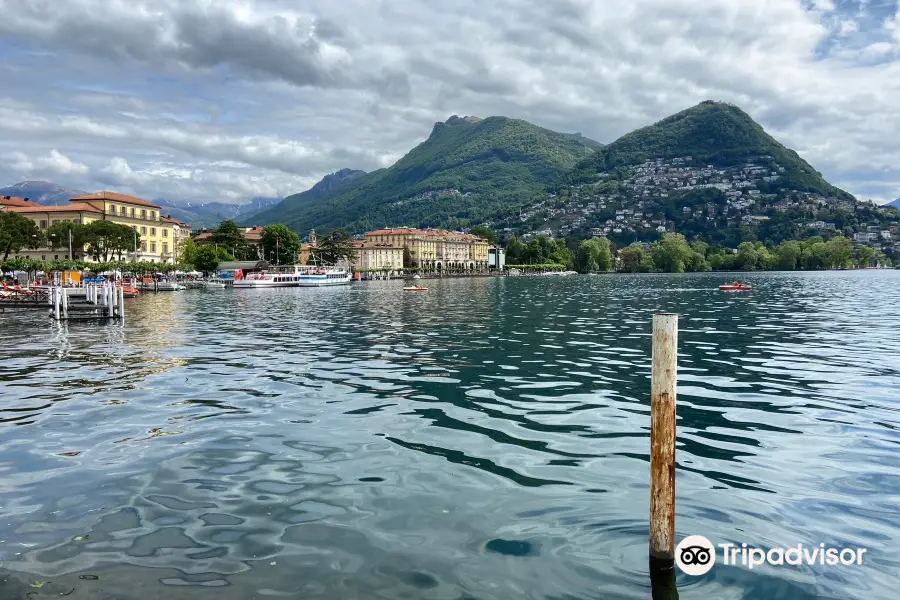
(487, 439)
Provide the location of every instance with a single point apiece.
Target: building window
(56, 257)
(143, 213)
(143, 246)
(122, 210)
(165, 233)
(112, 209)
(143, 230)
(55, 222)
(132, 212)
(152, 246)
(165, 248)
(153, 231)
(153, 214)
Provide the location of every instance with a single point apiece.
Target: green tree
(58, 236)
(17, 232)
(107, 239)
(839, 250)
(280, 242)
(187, 251)
(593, 255)
(630, 258)
(815, 256)
(788, 255)
(865, 254)
(208, 257)
(231, 237)
(671, 253)
(487, 233)
(334, 248)
(407, 258)
(515, 250)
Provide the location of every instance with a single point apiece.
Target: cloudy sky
(223, 100)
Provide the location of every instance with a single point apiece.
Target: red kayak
(735, 287)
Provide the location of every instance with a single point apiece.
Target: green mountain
(709, 172)
(711, 133)
(282, 211)
(467, 170)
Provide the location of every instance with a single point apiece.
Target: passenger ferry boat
(315, 275)
(295, 276)
(284, 276)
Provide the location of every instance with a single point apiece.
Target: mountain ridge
(473, 166)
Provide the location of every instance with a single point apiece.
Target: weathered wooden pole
(56, 303)
(65, 302)
(122, 303)
(662, 441)
(111, 296)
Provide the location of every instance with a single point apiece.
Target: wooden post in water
(662, 441)
(122, 303)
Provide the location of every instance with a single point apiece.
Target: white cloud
(237, 97)
(55, 163)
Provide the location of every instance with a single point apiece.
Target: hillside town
(655, 198)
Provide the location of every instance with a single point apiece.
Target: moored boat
(323, 275)
(283, 276)
(415, 288)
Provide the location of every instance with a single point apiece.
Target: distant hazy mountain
(895, 203)
(42, 192)
(210, 214)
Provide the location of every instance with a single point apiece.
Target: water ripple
(488, 439)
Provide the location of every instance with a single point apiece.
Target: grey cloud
(290, 91)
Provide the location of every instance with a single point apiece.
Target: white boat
(315, 275)
(160, 286)
(284, 276)
(214, 284)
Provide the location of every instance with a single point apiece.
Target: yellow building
(371, 256)
(182, 231)
(437, 248)
(157, 237)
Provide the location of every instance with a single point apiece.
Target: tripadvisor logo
(696, 555)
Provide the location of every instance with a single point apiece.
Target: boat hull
(322, 281)
(734, 288)
(251, 284)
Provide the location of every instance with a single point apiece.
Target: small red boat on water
(734, 286)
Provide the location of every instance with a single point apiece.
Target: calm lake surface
(487, 439)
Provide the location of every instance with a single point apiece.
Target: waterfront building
(9, 201)
(436, 248)
(371, 256)
(496, 258)
(182, 231)
(157, 237)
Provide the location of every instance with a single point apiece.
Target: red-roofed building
(7, 201)
(157, 237)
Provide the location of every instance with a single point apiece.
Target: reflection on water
(488, 439)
